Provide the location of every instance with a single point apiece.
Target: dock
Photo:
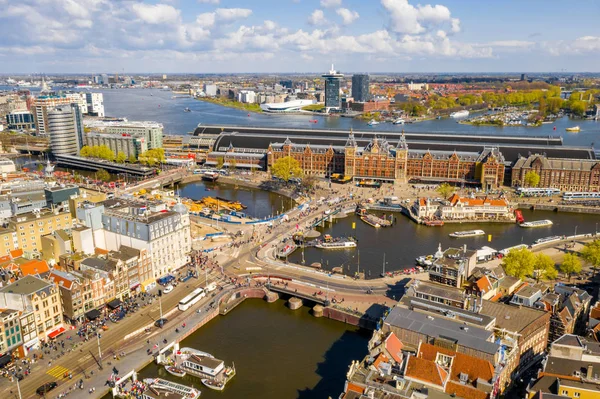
(151, 388)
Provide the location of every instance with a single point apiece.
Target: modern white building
(210, 90)
(65, 128)
(80, 100)
(151, 132)
(7, 166)
(95, 104)
(247, 96)
(289, 106)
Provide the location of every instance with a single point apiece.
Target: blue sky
(207, 36)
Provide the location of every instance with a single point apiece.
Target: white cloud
(317, 18)
(206, 19)
(209, 1)
(455, 25)
(408, 19)
(331, 3)
(232, 14)
(155, 14)
(348, 16)
(511, 43)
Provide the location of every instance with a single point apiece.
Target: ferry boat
(210, 176)
(573, 129)
(546, 240)
(287, 250)
(343, 243)
(192, 351)
(186, 109)
(459, 114)
(399, 121)
(467, 233)
(537, 223)
(373, 122)
(177, 372)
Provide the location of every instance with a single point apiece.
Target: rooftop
(26, 286)
(510, 317)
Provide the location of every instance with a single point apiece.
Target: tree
(220, 162)
(132, 159)
(591, 253)
(445, 190)
(570, 264)
(285, 168)
(532, 179)
(519, 263)
(232, 164)
(40, 167)
(121, 157)
(85, 151)
(544, 267)
(103, 175)
(309, 181)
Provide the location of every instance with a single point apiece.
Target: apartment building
(30, 227)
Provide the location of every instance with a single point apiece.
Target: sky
(296, 36)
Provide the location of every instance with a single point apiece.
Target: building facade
(65, 128)
(30, 227)
(20, 120)
(40, 107)
(333, 99)
(95, 104)
(564, 174)
(360, 88)
(151, 132)
(130, 146)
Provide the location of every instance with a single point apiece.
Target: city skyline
(212, 36)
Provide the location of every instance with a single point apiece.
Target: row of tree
(152, 157)
(523, 263)
(104, 152)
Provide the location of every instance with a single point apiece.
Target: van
(211, 287)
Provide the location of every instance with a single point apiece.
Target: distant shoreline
(230, 104)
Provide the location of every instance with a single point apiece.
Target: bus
(191, 299)
(567, 196)
(537, 192)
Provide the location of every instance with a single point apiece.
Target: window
(576, 394)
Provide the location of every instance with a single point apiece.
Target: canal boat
(192, 351)
(213, 384)
(186, 109)
(210, 176)
(459, 114)
(467, 233)
(158, 386)
(373, 122)
(399, 121)
(375, 221)
(343, 243)
(547, 240)
(573, 129)
(177, 372)
(537, 223)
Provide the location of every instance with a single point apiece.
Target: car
(160, 322)
(47, 387)
(168, 289)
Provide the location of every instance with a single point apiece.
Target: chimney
(590, 372)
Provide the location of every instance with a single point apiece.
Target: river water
(158, 105)
(406, 240)
(278, 353)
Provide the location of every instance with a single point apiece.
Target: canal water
(260, 204)
(157, 105)
(278, 353)
(406, 240)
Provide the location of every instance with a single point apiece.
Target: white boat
(399, 121)
(210, 176)
(537, 223)
(573, 129)
(460, 114)
(467, 233)
(546, 240)
(192, 351)
(343, 244)
(176, 371)
(373, 122)
(213, 384)
(186, 109)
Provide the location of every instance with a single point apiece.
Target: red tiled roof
(496, 297)
(425, 370)
(16, 253)
(484, 284)
(394, 347)
(355, 388)
(381, 358)
(595, 312)
(455, 198)
(34, 266)
(464, 391)
(59, 279)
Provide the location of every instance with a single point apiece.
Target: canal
(278, 353)
(260, 204)
(406, 240)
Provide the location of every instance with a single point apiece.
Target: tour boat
(177, 372)
(546, 240)
(186, 109)
(537, 223)
(459, 114)
(573, 129)
(432, 223)
(467, 233)
(210, 176)
(373, 122)
(399, 121)
(213, 384)
(285, 251)
(375, 221)
(340, 244)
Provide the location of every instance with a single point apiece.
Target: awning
(115, 303)
(134, 287)
(5, 359)
(93, 314)
(56, 333)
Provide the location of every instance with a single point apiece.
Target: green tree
(103, 175)
(532, 179)
(132, 159)
(121, 157)
(578, 107)
(545, 267)
(40, 167)
(285, 168)
(519, 263)
(85, 151)
(571, 264)
(591, 253)
(220, 162)
(232, 164)
(445, 190)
